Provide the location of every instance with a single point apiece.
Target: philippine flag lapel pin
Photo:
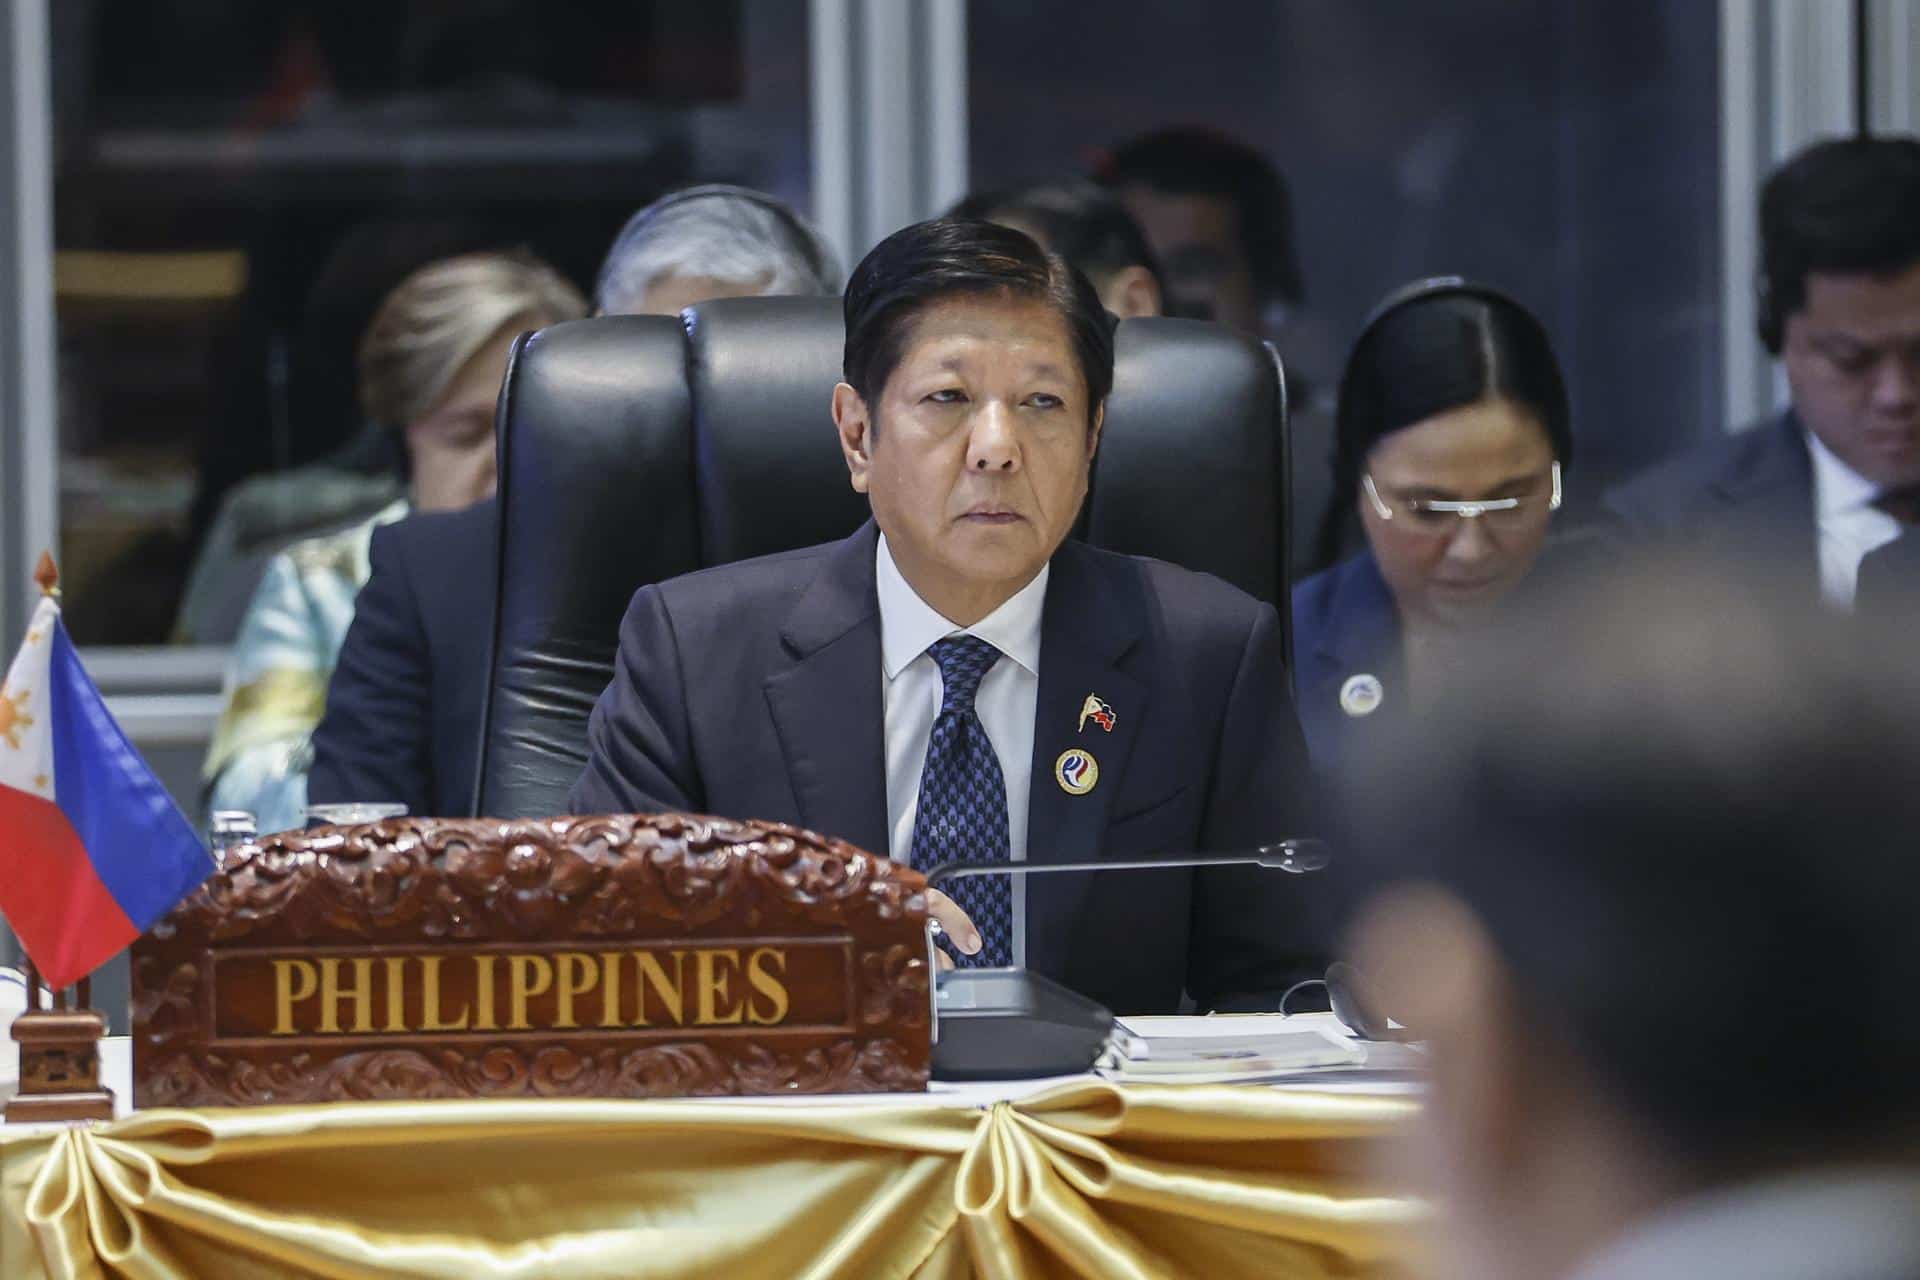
(1097, 711)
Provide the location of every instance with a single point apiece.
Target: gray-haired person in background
(713, 241)
(402, 720)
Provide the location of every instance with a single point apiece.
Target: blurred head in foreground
(1648, 883)
(713, 241)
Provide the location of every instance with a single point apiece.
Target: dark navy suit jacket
(1744, 500)
(403, 708)
(1345, 625)
(755, 691)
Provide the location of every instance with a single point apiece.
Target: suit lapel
(1360, 636)
(1086, 628)
(828, 708)
(1771, 492)
(1363, 628)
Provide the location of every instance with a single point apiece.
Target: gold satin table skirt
(1086, 1179)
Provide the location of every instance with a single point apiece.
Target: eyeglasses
(1434, 515)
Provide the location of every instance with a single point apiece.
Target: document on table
(1228, 1048)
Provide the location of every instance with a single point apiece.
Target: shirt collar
(1837, 488)
(908, 624)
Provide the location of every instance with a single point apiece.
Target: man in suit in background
(402, 718)
(1646, 887)
(1087, 225)
(1218, 216)
(956, 680)
(1835, 479)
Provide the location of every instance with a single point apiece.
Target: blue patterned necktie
(963, 799)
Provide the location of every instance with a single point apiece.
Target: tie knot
(963, 661)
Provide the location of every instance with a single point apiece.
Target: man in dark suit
(957, 681)
(403, 708)
(1834, 480)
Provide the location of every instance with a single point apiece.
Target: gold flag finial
(46, 576)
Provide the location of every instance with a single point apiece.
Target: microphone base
(1013, 1024)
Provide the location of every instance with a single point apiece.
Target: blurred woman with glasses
(1451, 438)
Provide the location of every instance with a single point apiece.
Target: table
(1075, 1177)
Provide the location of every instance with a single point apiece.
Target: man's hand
(954, 923)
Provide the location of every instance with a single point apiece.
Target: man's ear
(1093, 433)
(855, 425)
(1133, 292)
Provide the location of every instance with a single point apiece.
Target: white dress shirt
(1004, 702)
(1849, 525)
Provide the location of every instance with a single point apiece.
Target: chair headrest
(769, 475)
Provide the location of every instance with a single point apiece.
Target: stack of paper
(1226, 1048)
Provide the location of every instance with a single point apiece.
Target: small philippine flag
(92, 849)
(1097, 711)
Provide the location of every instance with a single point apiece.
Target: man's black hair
(1078, 219)
(1847, 207)
(950, 257)
(1685, 814)
(1202, 162)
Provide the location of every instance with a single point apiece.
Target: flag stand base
(59, 1060)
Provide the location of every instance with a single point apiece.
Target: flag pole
(59, 1046)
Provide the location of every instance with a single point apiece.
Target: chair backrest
(637, 448)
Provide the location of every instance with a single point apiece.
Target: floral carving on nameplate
(893, 986)
(583, 877)
(653, 1071)
(165, 1001)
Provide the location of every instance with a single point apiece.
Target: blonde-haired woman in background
(430, 366)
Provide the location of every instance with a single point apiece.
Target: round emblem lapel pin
(1361, 695)
(1076, 771)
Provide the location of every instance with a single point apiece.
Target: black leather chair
(636, 448)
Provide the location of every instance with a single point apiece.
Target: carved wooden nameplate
(613, 957)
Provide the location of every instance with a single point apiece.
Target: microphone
(1295, 856)
(991, 1024)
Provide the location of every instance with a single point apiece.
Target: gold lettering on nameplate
(483, 994)
(765, 981)
(433, 1015)
(577, 977)
(293, 981)
(628, 989)
(532, 975)
(610, 1014)
(653, 978)
(359, 994)
(716, 971)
